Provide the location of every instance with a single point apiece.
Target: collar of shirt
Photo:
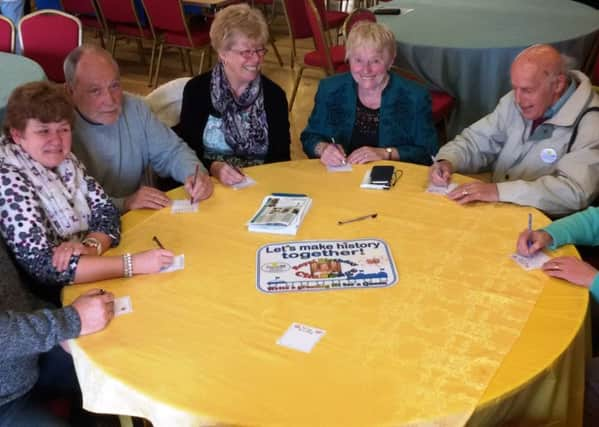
(552, 111)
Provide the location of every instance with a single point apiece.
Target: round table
(465, 334)
(16, 70)
(466, 47)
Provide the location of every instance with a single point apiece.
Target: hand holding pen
(440, 172)
(333, 154)
(226, 173)
(530, 242)
(198, 185)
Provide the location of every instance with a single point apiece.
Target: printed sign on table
(319, 265)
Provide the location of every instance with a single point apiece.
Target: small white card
(533, 262)
(248, 181)
(184, 206)
(122, 305)
(439, 189)
(178, 264)
(340, 168)
(301, 337)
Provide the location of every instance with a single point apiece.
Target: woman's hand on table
(95, 309)
(62, 254)
(531, 242)
(571, 269)
(366, 155)
(151, 261)
(225, 173)
(474, 192)
(147, 198)
(330, 154)
(440, 173)
(202, 189)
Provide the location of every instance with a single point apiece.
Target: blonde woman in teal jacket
(369, 113)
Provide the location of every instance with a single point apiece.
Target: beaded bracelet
(127, 265)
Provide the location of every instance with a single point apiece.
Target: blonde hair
(234, 21)
(373, 35)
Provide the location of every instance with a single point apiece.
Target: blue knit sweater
(26, 330)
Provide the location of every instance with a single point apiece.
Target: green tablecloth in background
(15, 71)
(465, 47)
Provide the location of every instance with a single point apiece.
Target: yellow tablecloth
(453, 337)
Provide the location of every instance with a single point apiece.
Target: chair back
(47, 37)
(355, 17)
(322, 11)
(86, 10)
(166, 16)
(297, 20)
(79, 7)
(118, 11)
(318, 34)
(7, 35)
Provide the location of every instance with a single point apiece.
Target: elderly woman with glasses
(54, 217)
(233, 116)
(370, 113)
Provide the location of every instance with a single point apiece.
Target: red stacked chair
(87, 13)
(169, 23)
(295, 13)
(330, 59)
(122, 20)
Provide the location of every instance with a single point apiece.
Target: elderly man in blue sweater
(32, 363)
(117, 137)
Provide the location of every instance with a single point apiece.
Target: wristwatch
(389, 151)
(92, 242)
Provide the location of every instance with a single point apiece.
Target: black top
(366, 127)
(197, 106)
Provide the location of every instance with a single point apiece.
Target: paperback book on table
(280, 213)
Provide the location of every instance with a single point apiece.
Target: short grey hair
(72, 60)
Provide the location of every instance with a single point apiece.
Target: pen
(155, 239)
(360, 218)
(195, 179)
(338, 149)
(438, 170)
(236, 169)
(528, 242)
(288, 195)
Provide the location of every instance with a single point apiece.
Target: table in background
(466, 47)
(199, 347)
(16, 70)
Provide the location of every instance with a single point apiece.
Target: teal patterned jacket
(405, 120)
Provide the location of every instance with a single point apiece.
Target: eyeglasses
(248, 53)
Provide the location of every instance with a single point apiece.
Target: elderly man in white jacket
(541, 144)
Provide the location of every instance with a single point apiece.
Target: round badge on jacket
(548, 155)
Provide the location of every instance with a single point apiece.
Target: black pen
(155, 239)
(360, 218)
(195, 180)
(528, 241)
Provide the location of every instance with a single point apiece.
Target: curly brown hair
(43, 101)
